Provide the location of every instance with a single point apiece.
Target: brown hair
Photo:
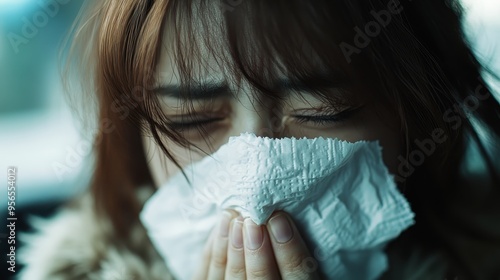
(419, 64)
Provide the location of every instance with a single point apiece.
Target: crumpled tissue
(340, 195)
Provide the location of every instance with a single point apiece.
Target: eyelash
(319, 120)
(301, 119)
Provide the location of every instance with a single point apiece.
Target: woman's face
(223, 110)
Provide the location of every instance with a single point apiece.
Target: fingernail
(253, 235)
(224, 224)
(236, 234)
(281, 228)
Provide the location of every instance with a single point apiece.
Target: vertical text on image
(11, 217)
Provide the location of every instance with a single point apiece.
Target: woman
(174, 79)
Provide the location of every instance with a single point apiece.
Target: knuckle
(236, 272)
(219, 260)
(295, 262)
(259, 273)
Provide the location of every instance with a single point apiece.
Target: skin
(238, 248)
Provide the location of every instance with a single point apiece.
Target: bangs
(262, 43)
(290, 38)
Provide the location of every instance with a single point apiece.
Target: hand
(239, 249)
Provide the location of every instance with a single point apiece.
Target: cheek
(389, 140)
(162, 167)
(386, 131)
(370, 126)
(391, 149)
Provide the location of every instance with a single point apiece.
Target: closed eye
(326, 118)
(192, 124)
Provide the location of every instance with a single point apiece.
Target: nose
(264, 121)
(263, 125)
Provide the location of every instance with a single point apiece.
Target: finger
(202, 271)
(218, 259)
(259, 257)
(235, 253)
(292, 256)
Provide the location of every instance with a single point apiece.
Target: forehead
(192, 41)
(202, 42)
(197, 60)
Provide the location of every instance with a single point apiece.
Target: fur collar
(76, 244)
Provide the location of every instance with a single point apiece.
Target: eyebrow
(197, 91)
(210, 90)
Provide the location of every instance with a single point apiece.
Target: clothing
(77, 244)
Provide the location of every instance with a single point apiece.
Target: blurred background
(36, 126)
(38, 133)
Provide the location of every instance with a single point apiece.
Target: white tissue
(340, 195)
